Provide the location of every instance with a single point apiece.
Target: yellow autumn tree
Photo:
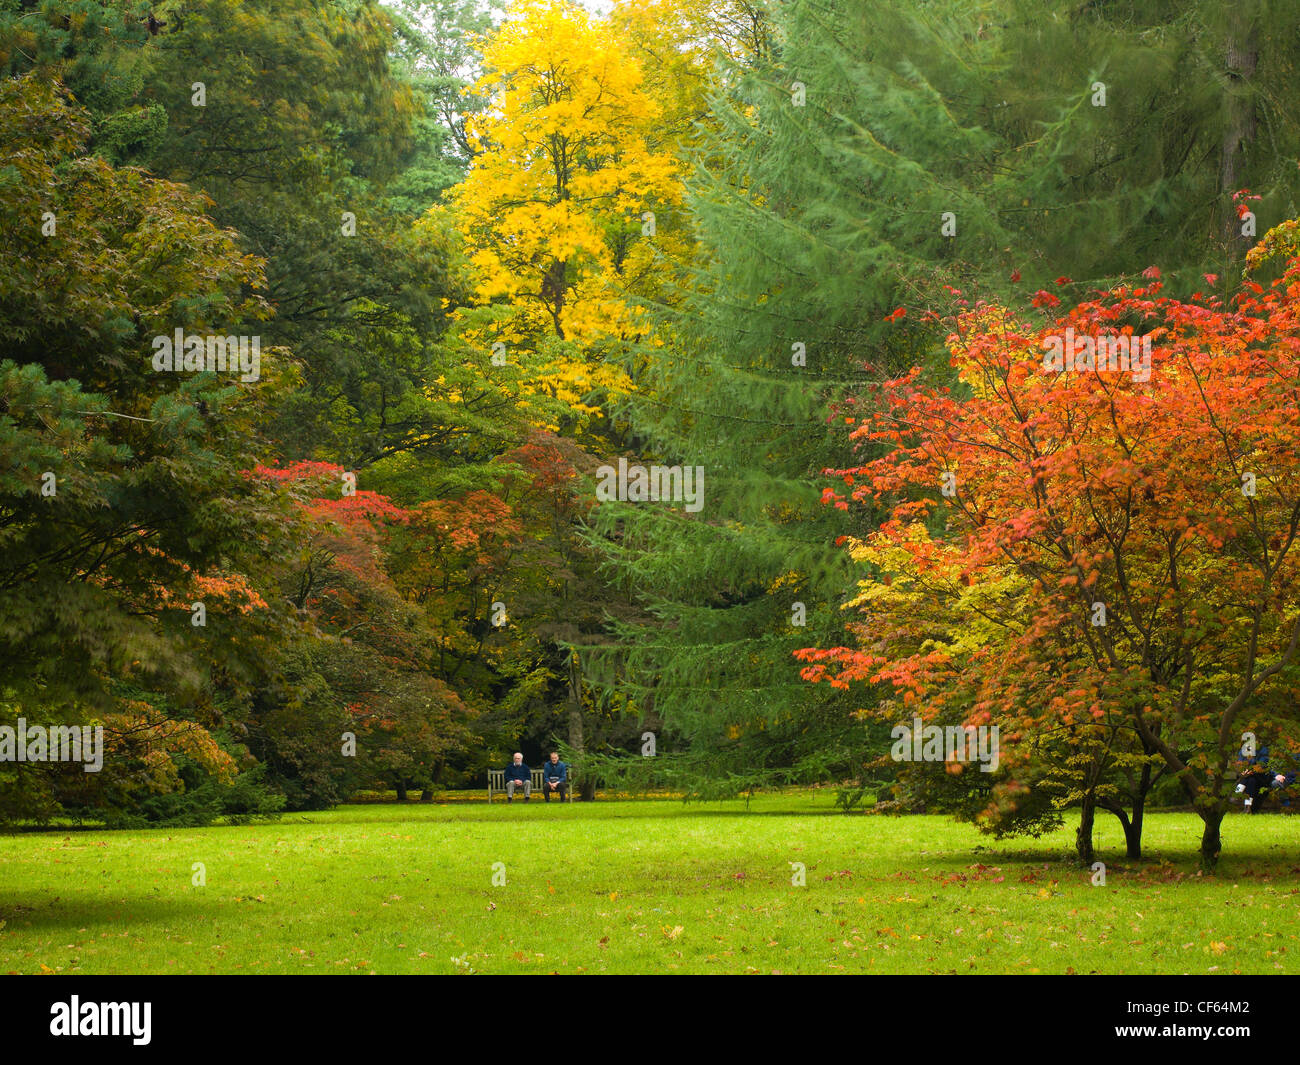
(679, 43)
(562, 208)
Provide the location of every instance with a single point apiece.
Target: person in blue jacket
(517, 773)
(555, 777)
(1258, 777)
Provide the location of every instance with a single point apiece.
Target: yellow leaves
(790, 577)
(147, 734)
(567, 170)
(672, 933)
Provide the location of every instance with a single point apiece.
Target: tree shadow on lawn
(34, 911)
(633, 811)
(1262, 861)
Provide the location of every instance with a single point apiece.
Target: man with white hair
(517, 773)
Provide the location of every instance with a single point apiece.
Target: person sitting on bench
(1258, 777)
(555, 778)
(517, 773)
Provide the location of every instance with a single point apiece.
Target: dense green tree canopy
(490, 255)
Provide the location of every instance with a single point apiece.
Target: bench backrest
(497, 778)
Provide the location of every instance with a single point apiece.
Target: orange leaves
(328, 491)
(233, 588)
(1081, 487)
(148, 735)
(472, 531)
(297, 471)
(233, 591)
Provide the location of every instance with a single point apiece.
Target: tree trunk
(1240, 60)
(426, 795)
(1133, 830)
(1133, 836)
(401, 789)
(1132, 827)
(577, 737)
(1083, 837)
(1210, 842)
(555, 287)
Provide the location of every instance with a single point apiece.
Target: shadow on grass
(496, 813)
(34, 911)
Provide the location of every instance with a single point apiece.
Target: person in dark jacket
(555, 778)
(1258, 777)
(517, 773)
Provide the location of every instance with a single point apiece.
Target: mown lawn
(642, 886)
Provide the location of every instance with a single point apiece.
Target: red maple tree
(1117, 549)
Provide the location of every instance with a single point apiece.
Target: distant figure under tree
(555, 778)
(1259, 777)
(517, 773)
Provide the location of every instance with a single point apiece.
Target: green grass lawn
(642, 886)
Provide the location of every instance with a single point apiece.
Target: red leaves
(332, 497)
(1058, 472)
(298, 471)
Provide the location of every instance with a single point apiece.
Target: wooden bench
(497, 783)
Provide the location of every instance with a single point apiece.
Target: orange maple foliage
(1070, 545)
